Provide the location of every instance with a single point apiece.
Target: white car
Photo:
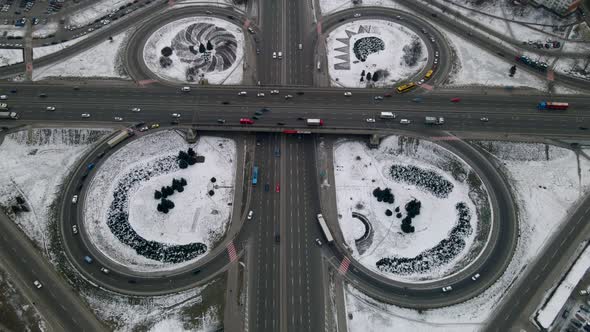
(3, 97)
(50, 108)
(318, 242)
(37, 284)
(75, 229)
(136, 109)
(74, 199)
(176, 115)
(405, 121)
(104, 270)
(348, 94)
(435, 61)
(185, 89)
(436, 54)
(250, 215)
(370, 120)
(242, 93)
(357, 15)
(85, 115)
(447, 289)
(118, 118)
(475, 277)
(260, 94)
(144, 128)
(274, 55)
(484, 119)
(420, 82)
(288, 96)
(274, 92)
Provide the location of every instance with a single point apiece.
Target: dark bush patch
(424, 179)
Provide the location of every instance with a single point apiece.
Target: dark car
(197, 271)
(266, 187)
(13, 90)
(225, 102)
(131, 281)
(300, 93)
(43, 95)
(280, 123)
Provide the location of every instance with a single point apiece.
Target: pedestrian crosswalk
(231, 251)
(344, 266)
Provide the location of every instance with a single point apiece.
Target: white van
(404, 121)
(300, 46)
(280, 55)
(387, 115)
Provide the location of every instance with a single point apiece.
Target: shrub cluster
(423, 179)
(412, 210)
(186, 159)
(384, 195)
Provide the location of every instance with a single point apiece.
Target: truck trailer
(315, 122)
(434, 120)
(9, 115)
(120, 137)
(553, 105)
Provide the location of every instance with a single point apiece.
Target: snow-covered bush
(423, 179)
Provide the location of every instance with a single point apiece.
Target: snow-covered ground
(543, 204)
(196, 218)
(34, 165)
(555, 303)
(89, 13)
(10, 56)
(188, 62)
(44, 30)
(39, 52)
(198, 309)
(13, 31)
(426, 172)
(371, 46)
(574, 67)
(331, 6)
(102, 60)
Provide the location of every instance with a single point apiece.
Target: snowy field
(44, 30)
(100, 8)
(543, 204)
(373, 46)
(197, 218)
(34, 165)
(39, 52)
(13, 31)
(102, 60)
(331, 6)
(413, 169)
(10, 56)
(198, 309)
(191, 58)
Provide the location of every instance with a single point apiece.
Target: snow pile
(193, 310)
(366, 48)
(197, 49)
(547, 315)
(34, 164)
(543, 203)
(12, 31)
(447, 232)
(102, 60)
(42, 31)
(10, 56)
(120, 210)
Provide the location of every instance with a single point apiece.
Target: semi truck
(553, 105)
(120, 137)
(315, 122)
(434, 120)
(387, 115)
(3, 107)
(9, 115)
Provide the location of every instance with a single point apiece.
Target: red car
(455, 100)
(278, 188)
(246, 121)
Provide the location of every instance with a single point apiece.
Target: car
(300, 93)
(74, 199)
(318, 242)
(76, 88)
(246, 121)
(257, 51)
(484, 119)
(274, 55)
(185, 89)
(250, 215)
(37, 284)
(584, 292)
(405, 121)
(88, 259)
(50, 108)
(417, 99)
(260, 94)
(280, 123)
(13, 90)
(3, 97)
(278, 188)
(85, 115)
(420, 82)
(144, 128)
(475, 277)
(436, 54)
(583, 128)
(155, 125)
(258, 143)
(447, 289)
(266, 187)
(220, 121)
(274, 92)
(435, 61)
(455, 100)
(265, 109)
(175, 115)
(370, 120)
(347, 94)
(174, 122)
(242, 93)
(288, 96)
(378, 98)
(136, 109)
(75, 229)
(196, 271)
(256, 117)
(585, 308)
(104, 270)
(300, 118)
(118, 118)
(132, 281)
(357, 15)
(43, 95)
(258, 112)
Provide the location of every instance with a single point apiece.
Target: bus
(406, 87)
(325, 228)
(428, 74)
(255, 175)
